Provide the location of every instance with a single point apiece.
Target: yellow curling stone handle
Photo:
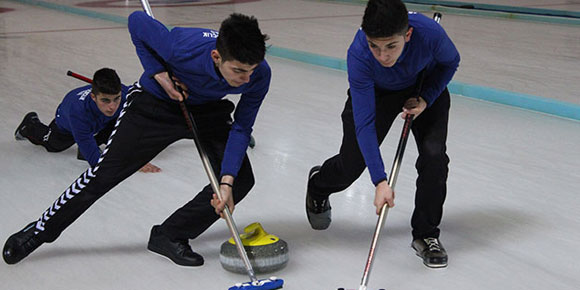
(255, 235)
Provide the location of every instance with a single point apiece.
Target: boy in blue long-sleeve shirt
(86, 116)
(385, 63)
(199, 67)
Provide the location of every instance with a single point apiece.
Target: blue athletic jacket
(429, 48)
(79, 116)
(187, 53)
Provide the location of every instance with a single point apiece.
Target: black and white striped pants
(145, 127)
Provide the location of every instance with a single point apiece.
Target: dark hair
(106, 81)
(240, 39)
(385, 18)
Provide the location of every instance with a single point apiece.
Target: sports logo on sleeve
(211, 33)
(83, 94)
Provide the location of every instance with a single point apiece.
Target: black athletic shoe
(177, 251)
(20, 133)
(431, 251)
(21, 244)
(318, 211)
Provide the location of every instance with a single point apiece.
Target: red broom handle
(80, 77)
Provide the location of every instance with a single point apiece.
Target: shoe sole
(318, 228)
(313, 225)
(18, 136)
(315, 221)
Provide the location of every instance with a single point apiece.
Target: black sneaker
(20, 133)
(431, 251)
(177, 251)
(318, 211)
(21, 244)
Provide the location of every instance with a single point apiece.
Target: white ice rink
(511, 216)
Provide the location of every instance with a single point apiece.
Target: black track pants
(430, 132)
(53, 139)
(146, 126)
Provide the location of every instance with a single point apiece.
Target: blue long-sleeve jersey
(79, 116)
(186, 52)
(429, 48)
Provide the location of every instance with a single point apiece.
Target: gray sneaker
(318, 211)
(431, 251)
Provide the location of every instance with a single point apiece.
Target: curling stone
(266, 252)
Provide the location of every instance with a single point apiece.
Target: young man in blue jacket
(385, 62)
(206, 67)
(86, 116)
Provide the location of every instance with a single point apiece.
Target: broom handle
(392, 179)
(210, 173)
(147, 8)
(215, 186)
(385, 208)
(80, 77)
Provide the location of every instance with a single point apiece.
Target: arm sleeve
(446, 62)
(364, 111)
(81, 131)
(152, 42)
(244, 118)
